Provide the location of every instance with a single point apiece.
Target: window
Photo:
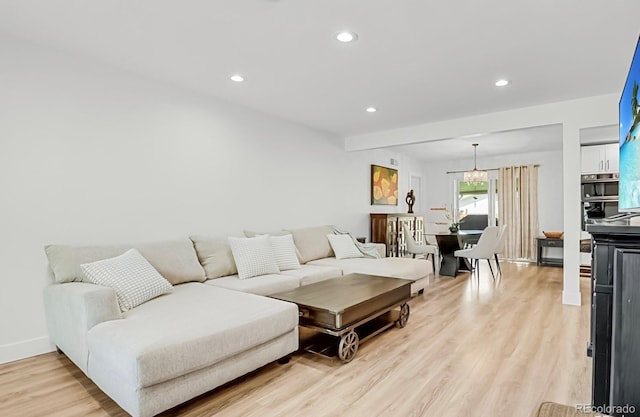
(473, 199)
(479, 198)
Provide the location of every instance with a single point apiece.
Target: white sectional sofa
(211, 328)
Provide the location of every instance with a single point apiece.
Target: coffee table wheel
(404, 316)
(348, 346)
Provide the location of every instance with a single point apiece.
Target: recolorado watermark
(621, 410)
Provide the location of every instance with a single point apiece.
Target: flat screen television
(629, 117)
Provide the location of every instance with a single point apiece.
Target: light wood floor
(469, 349)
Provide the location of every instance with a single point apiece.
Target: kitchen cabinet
(599, 158)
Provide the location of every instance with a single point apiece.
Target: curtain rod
(488, 169)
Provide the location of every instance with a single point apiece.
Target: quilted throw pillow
(344, 247)
(130, 275)
(285, 252)
(253, 256)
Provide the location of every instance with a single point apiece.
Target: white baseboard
(571, 298)
(25, 349)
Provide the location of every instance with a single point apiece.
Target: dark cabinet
(625, 337)
(387, 228)
(615, 318)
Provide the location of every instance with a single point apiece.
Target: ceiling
(535, 139)
(543, 138)
(417, 61)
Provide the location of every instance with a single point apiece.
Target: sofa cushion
(262, 285)
(407, 268)
(214, 253)
(254, 256)
(309, 274)
(312, 243)
(130, 275)
(343, 247)
(174, 260)
(153, 343)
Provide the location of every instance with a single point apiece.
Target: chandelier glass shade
(475, 176)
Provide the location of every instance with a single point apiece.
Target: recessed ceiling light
(371, 109)
(237, 78)
(346, 36)
(502, 83)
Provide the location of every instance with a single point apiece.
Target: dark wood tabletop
(338, 294)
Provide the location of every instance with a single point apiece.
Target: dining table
(449, 243)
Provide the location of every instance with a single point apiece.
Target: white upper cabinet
(599, 158)
(590, 159)
(612, 157)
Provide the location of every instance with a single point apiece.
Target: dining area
(450, 252)
(463, 232)
(460, 250)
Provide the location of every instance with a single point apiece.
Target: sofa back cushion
(312, 243)
(174, 260)
(253, 233)
(215, 256)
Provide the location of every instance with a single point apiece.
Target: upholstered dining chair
(485, 249)
(416, 248)
(502, 236)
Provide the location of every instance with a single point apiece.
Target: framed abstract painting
(384, 186)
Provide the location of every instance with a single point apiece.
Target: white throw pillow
(344, 247)
(285, 252)
(254, 256)
(130, 275)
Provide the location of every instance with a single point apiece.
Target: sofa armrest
(382, 249)
(72, 309)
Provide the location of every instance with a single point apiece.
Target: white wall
(93, 155)
(439, 185)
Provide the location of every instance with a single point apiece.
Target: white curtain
(518, 209)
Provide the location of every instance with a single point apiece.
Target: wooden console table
(545, 242)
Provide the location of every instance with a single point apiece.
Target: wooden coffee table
(353, 308)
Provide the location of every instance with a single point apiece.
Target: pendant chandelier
(475, 177)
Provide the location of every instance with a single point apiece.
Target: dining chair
(430, 239)
(416, 248)
(502, 236)
(484, 249)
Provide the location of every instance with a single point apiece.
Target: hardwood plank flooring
(471, 348)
